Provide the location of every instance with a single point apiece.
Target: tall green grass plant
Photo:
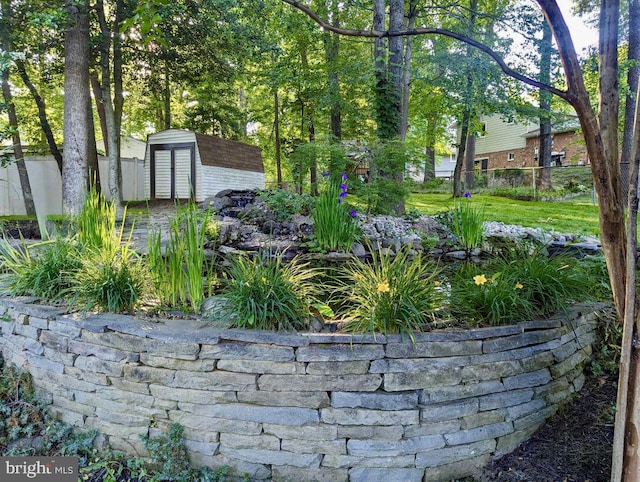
(336, 224)
(466, 224)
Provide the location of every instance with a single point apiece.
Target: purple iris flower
(343, 187)
(353, 213)
(343, 194)
(467, 194)
(326, 174)
(344, 176)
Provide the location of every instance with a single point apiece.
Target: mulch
(573, 446)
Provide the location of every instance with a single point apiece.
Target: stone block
(261, 367)
(219, 381)
(316, 433)
(490, 371)
(457, 392)
(505, 399)
(54, 340)
(286, 399)
(198, 427)
(315, 446)
(143, 374)
(91, 377)
(449, 455)
(394, 448)
(520, 411)
(448, 426)
(339, 353)
(508, 443)
(129, 386)
(240, 442)
(362, 416)
(439, 412)
(236, 470)
(483, 418)
(568, 364)
(265, 337)
(43, 364)
(359, 367)
(127, 418)
(177, 364)
(371, 474)
(347, 461)
(132, 446)
(477, 434)
(534, 419)
(457, 470)
(435, 377)
(536, 362)
(27, 331)
(290, 474)
(207, 448)
(94, 364)
(527, 380)
(181, 351)
(375, 400)
(101, 352)
(120, 341)
(67, 359)
(66, 381)
(65, 326)
(273, 457)
(253, 413)
(242, 351)
(190, 395)
(517, 341)
(72, 406)
(313, 383)
(565, 351)
(433, 349)
(115, 429)
(33, 346)
(38, 322)
(67, 416)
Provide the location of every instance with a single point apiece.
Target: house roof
(569, 125)
(215, 151)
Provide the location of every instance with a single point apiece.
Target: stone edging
(316, 407)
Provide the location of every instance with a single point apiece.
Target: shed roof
(215, 151)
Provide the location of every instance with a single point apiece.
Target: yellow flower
(480, 279)
(383, 287)
(519, 286)
(437, 283)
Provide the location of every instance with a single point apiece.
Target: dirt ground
(573, 446)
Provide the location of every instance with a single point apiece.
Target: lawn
(576, 216)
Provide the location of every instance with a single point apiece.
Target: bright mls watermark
(49, 469)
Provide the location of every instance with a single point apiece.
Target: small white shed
(182, 164)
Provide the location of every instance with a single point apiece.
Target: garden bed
(309, 406)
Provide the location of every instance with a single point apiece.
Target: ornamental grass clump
(265, 293)
(390, 294)
(466, 223)
(336, 224)
(181, 273)
(517, 286)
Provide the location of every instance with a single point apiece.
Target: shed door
(173, 171)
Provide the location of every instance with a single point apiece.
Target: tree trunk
(166, 97)
(430, 148)
(332, 52)
(406, 71)
(276, 130)
(42, 113)
(23, 175)
(545, 107)
(396, 22)
(469, 163)
(76, 102)
(462, 147)
(102, 116)
(633, 57)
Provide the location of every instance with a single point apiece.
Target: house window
(511, 156)
(483, 131)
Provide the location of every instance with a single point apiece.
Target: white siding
(163, 174)
(501, 135)
(216, 179)
(183, 173)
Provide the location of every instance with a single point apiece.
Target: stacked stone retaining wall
(296, 407)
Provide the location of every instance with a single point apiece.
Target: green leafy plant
(44, 270)
(336, 224)
(516, 286)
(466, 224)
(266, 293)
(181, 273)
(391, 294)
(284, 204)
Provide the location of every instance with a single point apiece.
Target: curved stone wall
(317, 407)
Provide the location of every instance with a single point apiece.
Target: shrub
(266, 293)
(285, 204)
(390, 294)
(44, 270)
(517, 286)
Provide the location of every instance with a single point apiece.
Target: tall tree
(77, 121)
(6, 28)
(545, 107)
(633, 58)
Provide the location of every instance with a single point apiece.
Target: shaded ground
(573, 446)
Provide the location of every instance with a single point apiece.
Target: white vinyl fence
(46, 184)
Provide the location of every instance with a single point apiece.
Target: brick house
(504, 144)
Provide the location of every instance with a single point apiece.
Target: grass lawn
(576, 216)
